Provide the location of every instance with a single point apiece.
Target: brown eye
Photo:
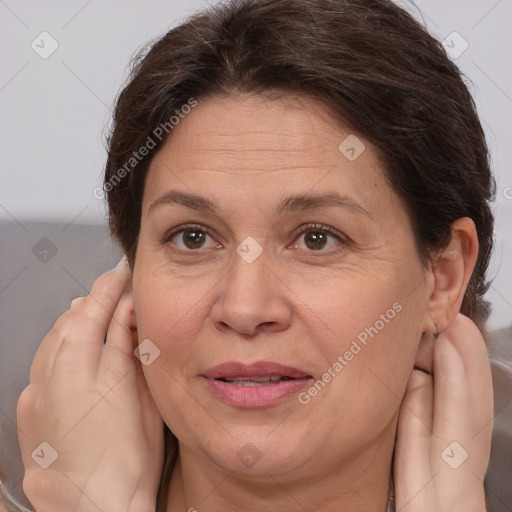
(315, 240)
(319, 238)
(193, 239)
(190, 238)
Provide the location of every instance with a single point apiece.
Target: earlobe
(452, 270)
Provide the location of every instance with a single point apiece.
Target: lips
(261, 384)
(235, 371)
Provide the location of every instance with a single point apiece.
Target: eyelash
(304, 229)
(314, 227)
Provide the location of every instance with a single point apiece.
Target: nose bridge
(248, 278)
(250, 294)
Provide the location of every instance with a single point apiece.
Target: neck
(357, 483)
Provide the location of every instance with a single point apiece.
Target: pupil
(317, 238)
(314, 239)
(193, 239)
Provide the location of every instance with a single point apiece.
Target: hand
(453, 405)
(89, 401)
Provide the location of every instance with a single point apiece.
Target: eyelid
(343, 239)
(316, 225)
(321, 227)
(185, 227)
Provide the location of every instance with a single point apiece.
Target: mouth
(266, 380)
(264, 372)
(259, 384)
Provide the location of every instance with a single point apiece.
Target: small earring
(436, 334)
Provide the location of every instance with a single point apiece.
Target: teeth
(250, 383)
(264, 380)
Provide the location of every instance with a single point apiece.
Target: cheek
(167, 314)
(172, 313)
(375, 328)
(370, 305)
(168, 308)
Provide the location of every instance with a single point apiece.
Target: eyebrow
(288, 204)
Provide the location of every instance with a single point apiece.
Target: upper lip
(232, 369)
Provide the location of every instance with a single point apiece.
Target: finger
(413, 444)
(99, 306)
(122, 333)
(457, 459)
(80, 326)
(80, 352)
(463, 393)
(450, 390)
(467, 339)
(41, 487)
(117, 356)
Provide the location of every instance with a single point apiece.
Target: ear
(451, 271)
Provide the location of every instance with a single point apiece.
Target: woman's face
(235, 264)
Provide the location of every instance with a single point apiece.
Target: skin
(294, 305)
(88, 400)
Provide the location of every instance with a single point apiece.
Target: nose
(252, 299)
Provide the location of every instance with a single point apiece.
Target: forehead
(247, 145)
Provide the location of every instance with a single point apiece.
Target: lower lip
(256, 396)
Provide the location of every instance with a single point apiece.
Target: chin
(257, 456)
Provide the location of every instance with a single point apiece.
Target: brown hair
(377, 70)
(375, 67)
